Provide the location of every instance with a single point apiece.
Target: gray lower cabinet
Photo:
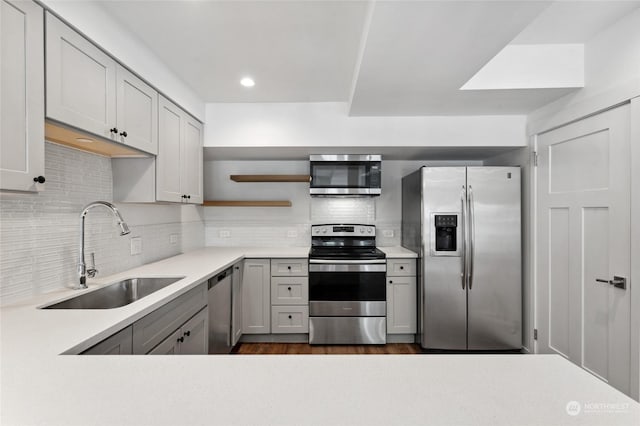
(236, 302)
(155, 328)
(120, 343)
(289, 296)
(401, 296)
(21, 95)
(190, 339)
(256, 297)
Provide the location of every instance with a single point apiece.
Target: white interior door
(583, 226)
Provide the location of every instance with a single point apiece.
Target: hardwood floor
(305, 349)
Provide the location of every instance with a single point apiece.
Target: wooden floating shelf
(225, 203)
(270, 178)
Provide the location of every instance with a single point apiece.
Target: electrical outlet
(173, 238)
(387, 233)
(292, 233)
(136, 245)
(225, 233)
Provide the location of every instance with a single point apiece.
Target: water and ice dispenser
(445, 238)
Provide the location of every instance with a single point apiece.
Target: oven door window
(347, 286)
(341, 175)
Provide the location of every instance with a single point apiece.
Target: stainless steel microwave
(345, 175)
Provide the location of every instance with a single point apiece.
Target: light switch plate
(388, 233)
(225, 233)
(136, 245)
(292, 233)
(173, 238)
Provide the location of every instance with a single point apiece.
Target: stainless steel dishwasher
(220, 313)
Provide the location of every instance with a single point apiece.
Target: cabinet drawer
(155, 327)
(289, 267)
(289, 319)
(289, 290)
(401, 267)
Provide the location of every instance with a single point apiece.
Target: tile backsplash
(39, 233)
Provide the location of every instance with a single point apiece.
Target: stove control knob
(369, 230)
(324, 230)
(362, 230)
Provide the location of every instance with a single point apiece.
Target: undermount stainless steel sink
(115, 295)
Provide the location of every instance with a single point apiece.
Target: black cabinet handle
(184, 196)
(189, 197)
(114, 130)
(289, 288)
(181, 339)
(289, 316)
(390, 282)
(187, 333)
(289, 267)
(39, 179)
(123, 134)
(402, 267)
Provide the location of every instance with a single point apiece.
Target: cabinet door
(81, 80)
(256, 297)
(191, 176)
(236, 310)
(137, 112)
(196, 334)
(401, 305)
(169, 159)
(120, 343)
(169, 346)
(156, 326)
(22, 95)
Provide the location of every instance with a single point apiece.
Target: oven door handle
(347, 262)
(346, 267)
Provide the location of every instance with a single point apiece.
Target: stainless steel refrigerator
(465, 224)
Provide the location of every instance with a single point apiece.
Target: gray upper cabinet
(22, 96)
(179, 161)
(192, 174)
(136, 112)
(81, 81)
(87, 89)
(169, 160)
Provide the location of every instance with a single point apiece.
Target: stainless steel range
(347, 286)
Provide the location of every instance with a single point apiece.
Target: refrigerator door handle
(463, 251)
(472, 232)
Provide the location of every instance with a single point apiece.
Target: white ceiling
(385, 58)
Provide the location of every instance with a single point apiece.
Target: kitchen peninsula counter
(40, 386)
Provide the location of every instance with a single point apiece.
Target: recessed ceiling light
(247, 82)
(84, 140)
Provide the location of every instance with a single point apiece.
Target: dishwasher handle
(221, 276)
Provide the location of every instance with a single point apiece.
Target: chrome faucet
(82, 267)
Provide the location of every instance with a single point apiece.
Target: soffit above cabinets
(459, 153)
(383, 58)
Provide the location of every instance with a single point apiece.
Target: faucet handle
(91, 270)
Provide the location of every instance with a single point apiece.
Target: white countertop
(397, 252)
(39, 386)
